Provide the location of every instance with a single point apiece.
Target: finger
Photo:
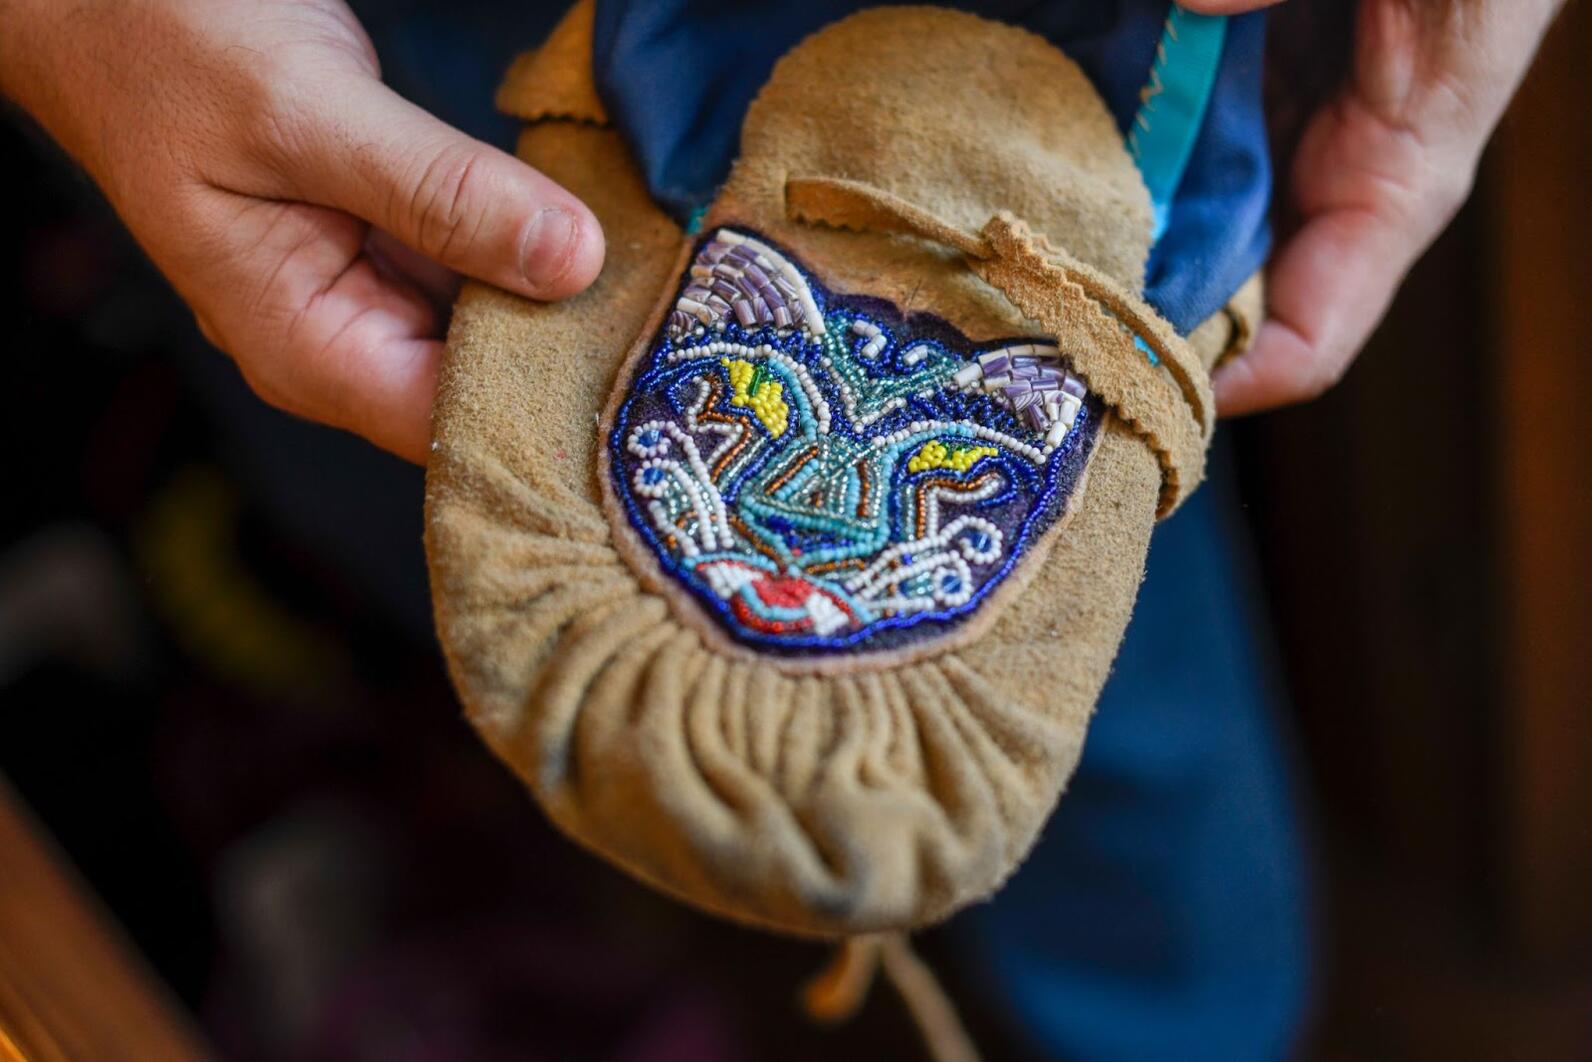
(1326, 290)
(474, 209)
(320, 329)
(363, 356)
(436, 281)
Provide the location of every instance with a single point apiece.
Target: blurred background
(232, 772)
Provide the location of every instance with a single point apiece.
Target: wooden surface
(70, 986)
(1542, 222)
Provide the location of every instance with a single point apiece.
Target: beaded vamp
(825, 475)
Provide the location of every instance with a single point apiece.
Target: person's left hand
(1379, 174)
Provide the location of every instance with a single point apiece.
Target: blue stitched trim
(825, 475)
(1162, 136)
(693, 222)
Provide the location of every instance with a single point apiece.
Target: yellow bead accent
(764, 397)
(935, 454)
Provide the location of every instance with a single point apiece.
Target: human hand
(252, 150)
(1379, 173)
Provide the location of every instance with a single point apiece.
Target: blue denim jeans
(1164, 912)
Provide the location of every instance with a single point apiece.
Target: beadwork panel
(826, 476)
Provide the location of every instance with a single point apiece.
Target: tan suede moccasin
(786, 564)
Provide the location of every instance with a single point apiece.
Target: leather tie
(1098, 324)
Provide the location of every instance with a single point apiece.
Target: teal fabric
(1172, 112)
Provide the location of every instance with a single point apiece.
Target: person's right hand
(253, 151)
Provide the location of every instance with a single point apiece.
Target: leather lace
(1097, 323)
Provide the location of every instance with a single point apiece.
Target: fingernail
(549, 247)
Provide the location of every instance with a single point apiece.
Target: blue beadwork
(826, 476)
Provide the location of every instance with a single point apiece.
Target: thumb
(475, 209)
